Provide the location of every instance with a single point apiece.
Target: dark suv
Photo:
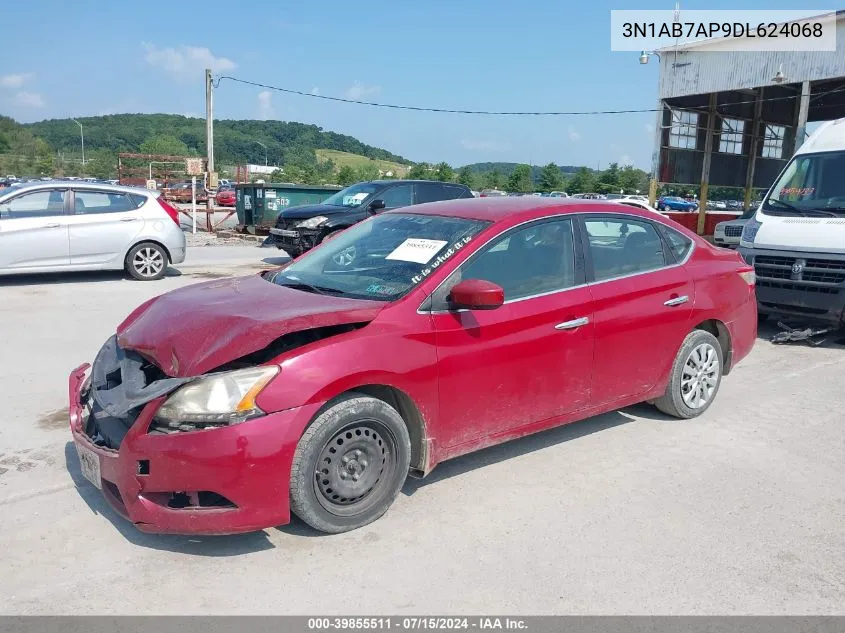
(301, 228)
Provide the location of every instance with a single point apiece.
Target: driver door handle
(128, 219)
(571, 325)
(676, 301)
(52, 225)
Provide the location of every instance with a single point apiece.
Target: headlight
(720, 228)
(216, 400)
(749, 231)
(312, 223)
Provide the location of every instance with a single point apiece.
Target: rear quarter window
(679, 244)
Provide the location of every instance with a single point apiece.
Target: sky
(547, 55)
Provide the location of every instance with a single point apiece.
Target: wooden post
(752, 152)
(654, 183)
(803, 112)
(705, 168)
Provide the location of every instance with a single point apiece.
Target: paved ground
(741, 511)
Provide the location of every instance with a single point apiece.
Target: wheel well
(720, 331)
(156, 242)
(406, 407)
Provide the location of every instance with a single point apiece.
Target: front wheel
(350, 465)
(695, 378)
(146, 262)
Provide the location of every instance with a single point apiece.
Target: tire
(337, 483)
(146, 261)
(700, 353)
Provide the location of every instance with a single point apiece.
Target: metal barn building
(733, 118)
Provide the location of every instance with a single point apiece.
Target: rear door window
(623, 246)
(397, 196)
(89, 202)
(679, 244)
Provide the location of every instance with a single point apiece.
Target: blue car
(674, 203)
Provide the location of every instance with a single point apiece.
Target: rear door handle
(128, 219)
(571, 325)
(676, 301)
(52, 226)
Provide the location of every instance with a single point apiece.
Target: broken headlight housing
(215, 401)
(312, 223)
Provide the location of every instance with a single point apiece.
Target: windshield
(352, 196)
(381, 258)
(812, 184)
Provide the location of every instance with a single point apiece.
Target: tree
(164, 144)
(368, 171)
(420, 171)
(444, 173)
(346, 176)
(583, 181)
(520, 179)
(467, 177)
(632, 179)
(608, 180)
(493, 179)
(550, 178)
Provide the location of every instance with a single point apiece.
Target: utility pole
(209, 140)
(82, 137)
(265, 151)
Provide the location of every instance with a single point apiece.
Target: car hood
(192, 330)
(310, 210)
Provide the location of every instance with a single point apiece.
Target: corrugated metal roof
(688, 71)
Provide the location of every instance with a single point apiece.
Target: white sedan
(639, 204)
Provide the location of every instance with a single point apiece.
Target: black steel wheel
(350, 464)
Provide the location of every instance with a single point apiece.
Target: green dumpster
(259, 204)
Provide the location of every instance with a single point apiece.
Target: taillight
(171, 211)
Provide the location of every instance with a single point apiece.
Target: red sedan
(411, 338)
(225, 197)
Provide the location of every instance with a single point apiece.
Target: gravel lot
(741, 511)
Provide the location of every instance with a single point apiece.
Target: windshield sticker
(425, 272)
(797, 191)
(351, 201)
(417, 250)
(379, 289)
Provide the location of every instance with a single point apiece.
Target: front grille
(287, 225)
(806, 274)
(788, 285)
(733, 231)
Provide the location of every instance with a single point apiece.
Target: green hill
(506, 169)
(235, 141)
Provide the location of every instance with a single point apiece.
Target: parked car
(71, 226)
(225, 197)
(637, 204)
(302, 227)
(492, 193)
(558, 194)
(413, 337)
(634, 198)
(675, 203)
(181, 192)
(728, 233)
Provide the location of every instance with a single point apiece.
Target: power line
(494, 112)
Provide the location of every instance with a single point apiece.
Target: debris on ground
(806, 335)
(204, 238)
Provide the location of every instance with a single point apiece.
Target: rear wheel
(146, 262)
(349, 465)
(695, 378)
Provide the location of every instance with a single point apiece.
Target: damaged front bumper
(221, 481)
(293, 241)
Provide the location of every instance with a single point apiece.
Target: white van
(796, 240)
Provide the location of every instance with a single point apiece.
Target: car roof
(519, 209)
(393, 182)
(76, 184)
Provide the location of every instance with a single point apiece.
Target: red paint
(477, 294)
(476, 377)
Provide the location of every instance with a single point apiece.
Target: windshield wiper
(786, 205)
(290, 282)
(805, 211)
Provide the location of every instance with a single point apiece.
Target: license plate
(284, 233)
(89, 462)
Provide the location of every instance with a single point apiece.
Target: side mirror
(376, 205)
(476, 294)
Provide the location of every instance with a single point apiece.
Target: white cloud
(483, 146)
(265, 105)
(186, 60)
(358, 90)
(315, 91)
(574, 136)
(15, 81)
(29, 99)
